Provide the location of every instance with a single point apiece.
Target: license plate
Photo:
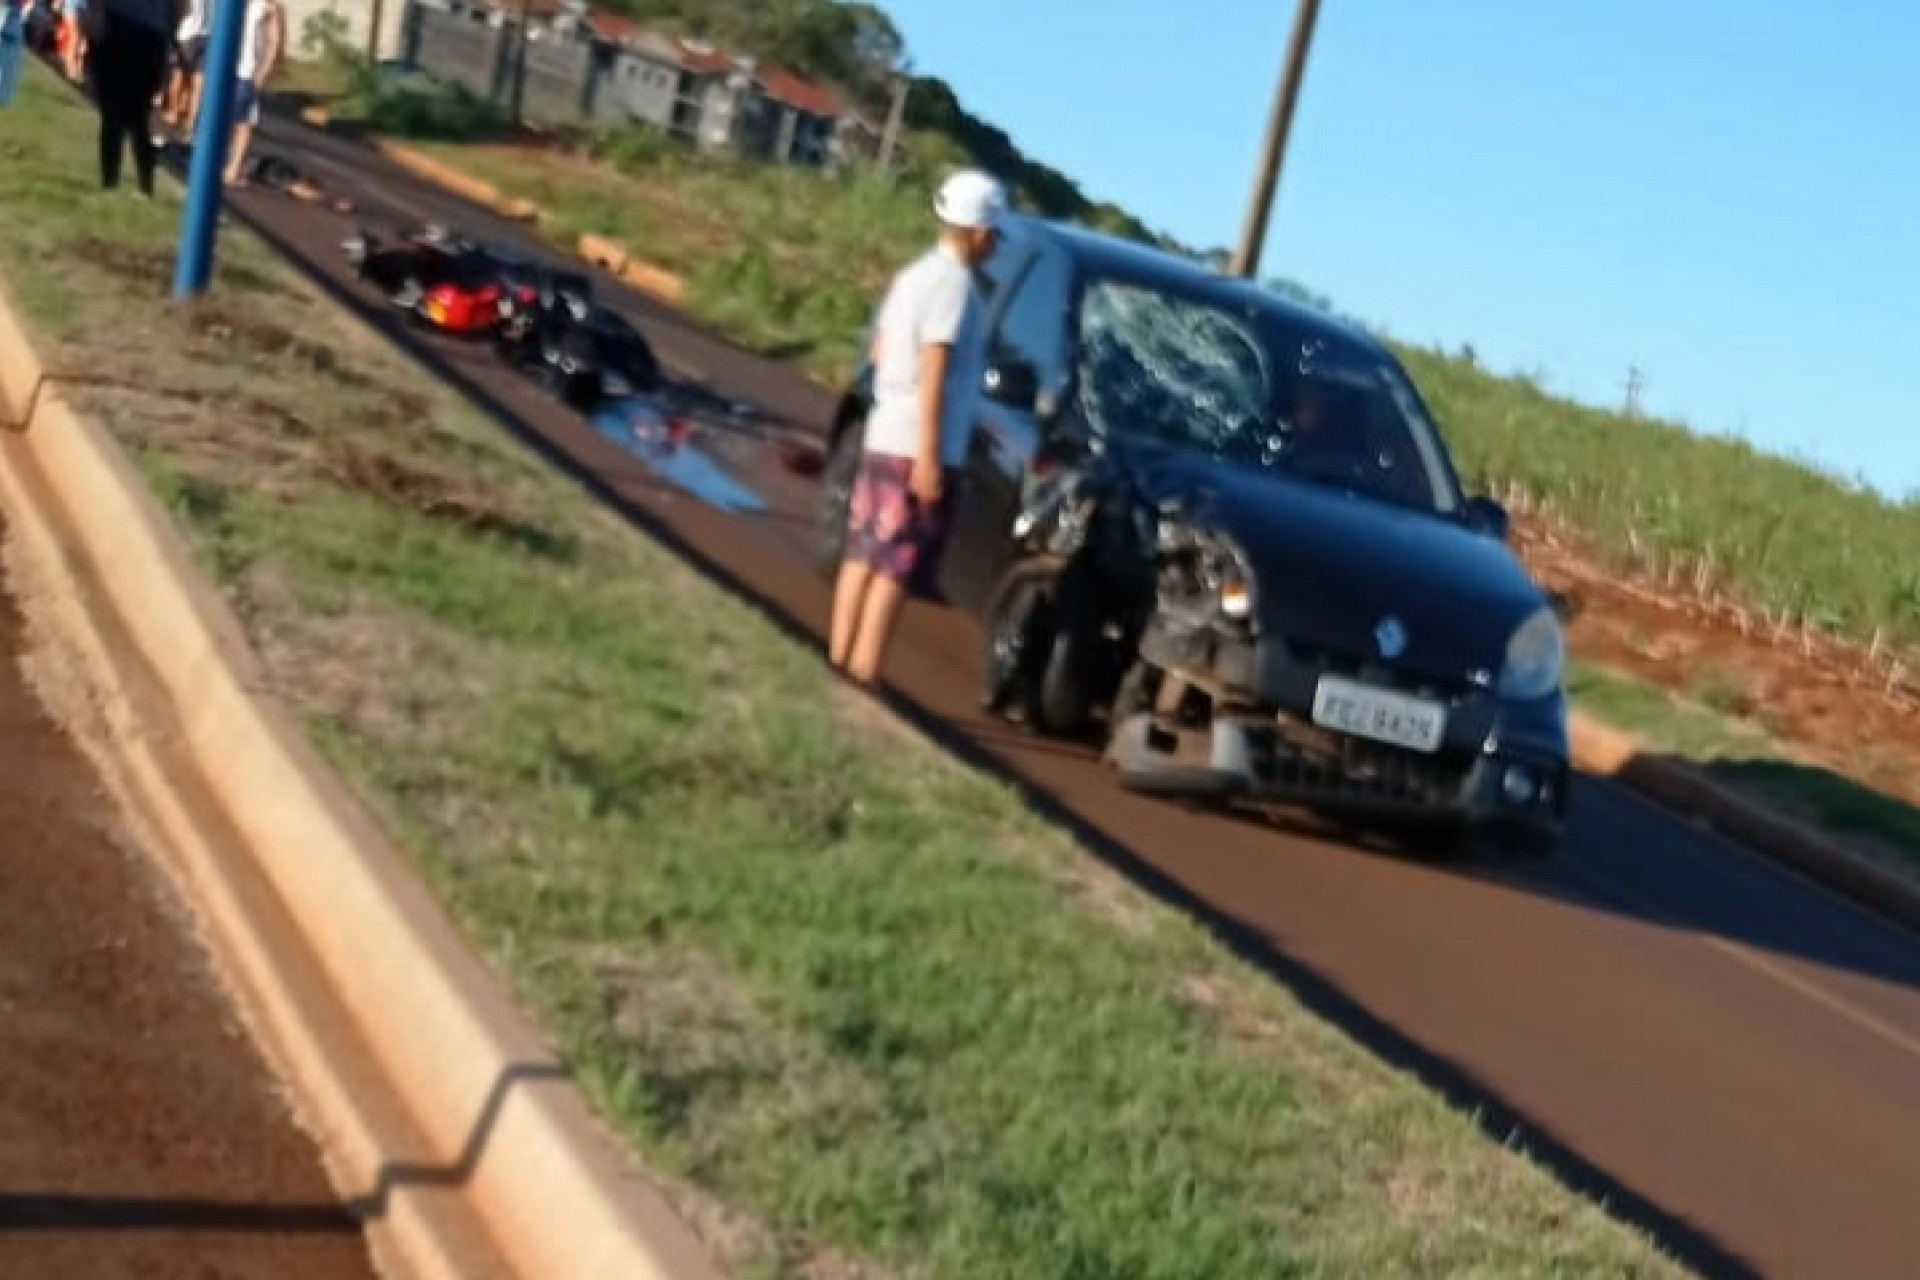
(1379, 714)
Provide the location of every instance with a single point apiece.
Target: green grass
(864, 1013)
(1736, 750)
(791, 261)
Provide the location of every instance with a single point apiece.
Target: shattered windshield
(1255, 390)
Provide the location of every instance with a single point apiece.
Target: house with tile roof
(724, 101)
(594, 65)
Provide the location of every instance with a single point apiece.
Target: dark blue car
(1223, 531)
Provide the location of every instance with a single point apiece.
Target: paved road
(1727, 1055)
(140, 1133)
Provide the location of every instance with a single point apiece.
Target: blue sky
(1725, 194)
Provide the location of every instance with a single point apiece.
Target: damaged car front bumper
(1294, 727)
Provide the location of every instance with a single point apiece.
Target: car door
(1030, 329)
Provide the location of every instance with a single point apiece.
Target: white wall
(358, 13)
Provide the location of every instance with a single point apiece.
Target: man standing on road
(260, 48)
(926, 351)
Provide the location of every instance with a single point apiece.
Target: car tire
(1038, 659)
(836, 494)
(1061, 700)
(1017, 630)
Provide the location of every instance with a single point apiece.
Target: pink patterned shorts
(888, 529)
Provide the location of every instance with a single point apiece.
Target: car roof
(1104, 253)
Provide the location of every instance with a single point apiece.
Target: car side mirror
(1489, 517)
(1013, 383)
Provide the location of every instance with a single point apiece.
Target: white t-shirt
(254, 42)
(194, 22)
(932, 301)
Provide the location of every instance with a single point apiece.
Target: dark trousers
(129, 60)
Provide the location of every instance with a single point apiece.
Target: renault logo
(1391, 637)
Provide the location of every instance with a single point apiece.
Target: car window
(1254, 389)
(1347, 416)
(1155, 362)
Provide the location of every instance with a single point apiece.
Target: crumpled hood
(1330, 568)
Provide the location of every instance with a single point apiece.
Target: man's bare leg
(236, 161)
(878, 615)
(849, 593)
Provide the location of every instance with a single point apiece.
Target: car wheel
(1017, 634)
(836, 494)
(1061, 700)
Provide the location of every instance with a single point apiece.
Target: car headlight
(1212, 568)
(1536, 658)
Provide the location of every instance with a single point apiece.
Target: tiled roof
(617, 27)
(701, 58)
(802, 95)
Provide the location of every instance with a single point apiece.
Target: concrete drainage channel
(448, 1129)
(143, 1135)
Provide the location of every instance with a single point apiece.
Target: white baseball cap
(971, 200)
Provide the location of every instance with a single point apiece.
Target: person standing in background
(260, 47)
(74, 39)
(13, 43)
(182, 99)
(129, 60)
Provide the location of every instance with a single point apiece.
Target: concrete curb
(610, 255)
(482, 193)
(490, 1132)
(1686, 790)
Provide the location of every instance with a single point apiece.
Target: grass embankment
(1704, 728)
(867, 1014)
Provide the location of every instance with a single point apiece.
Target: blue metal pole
(211, 137)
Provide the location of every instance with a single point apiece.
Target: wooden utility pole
(517, 88)
(895, 114)
(1247, 261)
(373, 32)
